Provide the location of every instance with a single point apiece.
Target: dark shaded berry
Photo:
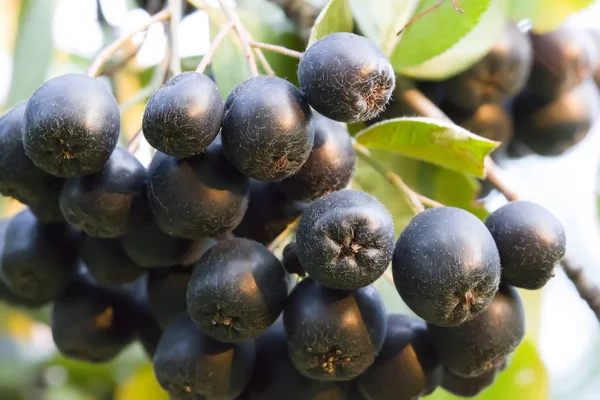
(346, 239)
(91, 323)
(530, 240)
(183, 117)
(407, 366)
(468, 387)
(267, 131)
(446, 266)
(333, 335)
(109, 202)
(19, 177)
(490, 121)
(236, 291)
(269, 212)
(330, 165)
(38, 260)
(346, 77)
(149, 247)
(72, 125)
(147, 327)
(107, 263)
(188, 363)
(290, 260)
(198, 196)
(477, 346)
(166, 290)
(501, 74)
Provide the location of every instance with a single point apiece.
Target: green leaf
(33, 49)
(445, 42)
(335, 17)
(380, 20)
(525, 378)
(431, 140)
(545, 15)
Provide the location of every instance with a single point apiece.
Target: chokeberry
(346, 239)
(267, 131)
(346, 77)
(107, 262)
(189, 364)
(166, 290)
(19, 177)
(109, 202)
(330, 165)
(237, 290)
(38, 261)
(290, 260)
(198, 196)
(446, 266)
(468, 387)
(530, 241)
(481, 344)
(72, 125)
(183, 117)
(333, 335)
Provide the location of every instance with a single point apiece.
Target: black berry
(166, 289)
(72, 125)
(346, 239)
(446, 266)
(107, 263)
(346, 77)
(267, 131)
(290, 260)
(468, 387)
(530, 241)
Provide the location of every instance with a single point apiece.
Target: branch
(588, 291)
(175, 6)
(264, 63)
(281, 238)
(245, 37)
(276, 49)
(213, 47)
(114, 47)
(134, 143)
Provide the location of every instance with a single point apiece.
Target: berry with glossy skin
(333, 335)
(19, 177)
(236, 291)
(501, 74)
(107, 263)
(346, 77)
(530, 241)
(91, 323)
(330, 165)
(149, 247)
(490, 121)
(198, 196)
(269, 212)
(109, 202)
(72, 125)
(290, 260)
(407, 366)
(446, 266)
(468, 387)
(477, 346)
(267, 132)
(346, 239)
(188, 363)
(148, 330)
(38, 260)
(275, 377)
(183, 117)
(166, 290)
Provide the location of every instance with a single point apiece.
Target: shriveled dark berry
(72, 125)
(446, 266)
(267, 132)
(346, 239)
(183, 117)
(346, 77)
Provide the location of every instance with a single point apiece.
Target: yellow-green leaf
(435, 141)
(141, 385)
(335, 17)
(545, 15)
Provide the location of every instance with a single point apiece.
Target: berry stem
(411, 196)
(282, 237)
(134, 143)
(277, 49)
(588, 291)
(113, 69)
(245, 37)
(264, 63)
(175, 6)
(213, 47)
(115, 46)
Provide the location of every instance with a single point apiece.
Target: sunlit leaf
(335, 17)
(545, 15)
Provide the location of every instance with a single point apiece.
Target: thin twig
(213, 47)
(281, 238)
(175, 6)
(411, 196)
(244, 36)
(494, 175)
(389, 277)
(135, 141)
(428, 202)
(276, 49)
(114, 47)
(113, 69)
(588, 291)
(264, 62)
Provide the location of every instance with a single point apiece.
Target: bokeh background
(39, 39)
